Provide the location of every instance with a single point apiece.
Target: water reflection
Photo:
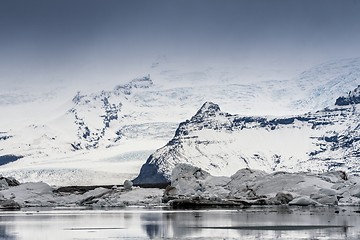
(261, 223)
(152, 230)
(5, 235)
(152, 224)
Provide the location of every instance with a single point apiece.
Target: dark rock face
(353, 97)
(5, 159)
(4, 136)
(150, 174)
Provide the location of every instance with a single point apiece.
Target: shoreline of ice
(192, 187)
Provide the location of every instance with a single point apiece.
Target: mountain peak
(208, 107)
(207, 110)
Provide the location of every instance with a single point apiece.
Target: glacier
(102, 135)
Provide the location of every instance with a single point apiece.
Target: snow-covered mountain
(222, 143)
(320, 84)
(63, 136)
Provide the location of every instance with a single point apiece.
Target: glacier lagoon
(282, 222)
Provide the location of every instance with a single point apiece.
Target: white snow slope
(104, 137)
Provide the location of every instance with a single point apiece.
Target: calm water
(137, 223)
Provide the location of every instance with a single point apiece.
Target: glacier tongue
(222, 143)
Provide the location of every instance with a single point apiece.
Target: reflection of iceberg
(252, 223)
(153, 224)
(5, 235)
(152, 230)
(184, 224)
(168, 225)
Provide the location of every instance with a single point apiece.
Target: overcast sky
(77, 40)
